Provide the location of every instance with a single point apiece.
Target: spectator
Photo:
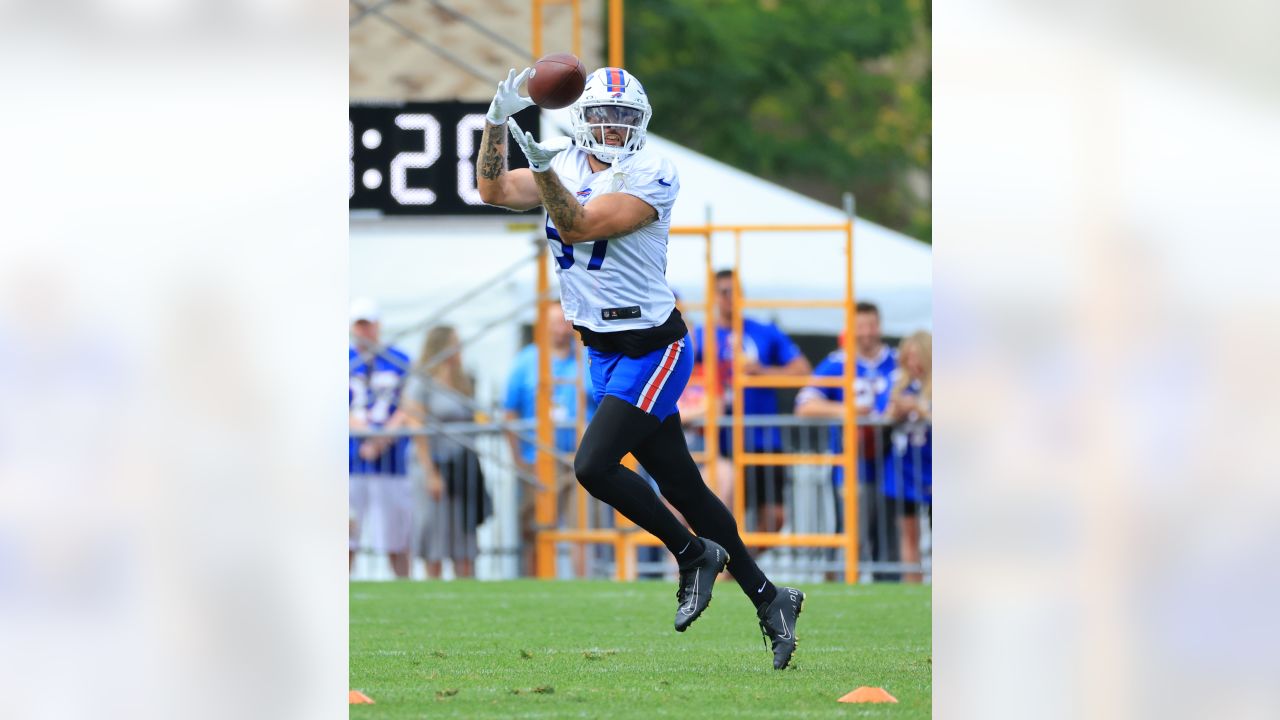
(909, 471)
(521, 404)
(454, 501)
(876, 365)
(768, 351)
(876, 370)
(378, 483)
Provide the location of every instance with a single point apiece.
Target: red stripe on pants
(646, 401)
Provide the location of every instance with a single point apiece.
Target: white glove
(508, 101)
(539, 154)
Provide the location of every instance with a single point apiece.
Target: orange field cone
(868, 695)
(355, 697)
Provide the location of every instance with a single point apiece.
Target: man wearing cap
(379, 484)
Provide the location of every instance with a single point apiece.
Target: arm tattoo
(491, 164)
(647, 219)
(564, 209)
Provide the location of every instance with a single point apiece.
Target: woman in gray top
(454, 500)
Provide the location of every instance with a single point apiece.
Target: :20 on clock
(420, 158)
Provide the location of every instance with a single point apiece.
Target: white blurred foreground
(1106, 309)
(172, 306)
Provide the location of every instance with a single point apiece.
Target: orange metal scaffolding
(537, 19)
(615, 28)
(625, 537)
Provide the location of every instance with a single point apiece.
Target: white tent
(891, 269)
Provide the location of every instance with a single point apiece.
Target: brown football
(557, 81)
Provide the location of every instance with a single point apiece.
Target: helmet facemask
(601, 117)
(611, 131)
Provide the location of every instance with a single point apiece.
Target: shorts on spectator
(382, 508)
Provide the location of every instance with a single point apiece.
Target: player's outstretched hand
(539, 154)
(508, 101)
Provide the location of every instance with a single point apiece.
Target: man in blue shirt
(768, 351)
(521, 404)
(379, 485)
(876, 369)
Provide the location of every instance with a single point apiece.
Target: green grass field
(602, 649)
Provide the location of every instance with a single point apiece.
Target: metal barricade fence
(477, 517)
(486, 514)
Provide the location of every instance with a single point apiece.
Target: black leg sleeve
(615, 431)
(665, 455)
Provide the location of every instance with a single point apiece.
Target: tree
(821, 97)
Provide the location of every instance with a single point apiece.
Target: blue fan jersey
(909, 467)
(768, 345)
(873, 383)
(373, 395)
(875, 380)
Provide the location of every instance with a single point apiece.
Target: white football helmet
(613, 101)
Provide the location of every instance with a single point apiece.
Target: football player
(608, 201)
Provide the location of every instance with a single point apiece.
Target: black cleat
(778, 624)
(696, 579)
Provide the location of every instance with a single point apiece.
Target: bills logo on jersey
(584, 194)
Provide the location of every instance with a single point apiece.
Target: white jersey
(620, 283)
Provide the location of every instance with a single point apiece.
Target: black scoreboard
(420, 158)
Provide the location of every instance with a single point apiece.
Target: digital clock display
(420, 158)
